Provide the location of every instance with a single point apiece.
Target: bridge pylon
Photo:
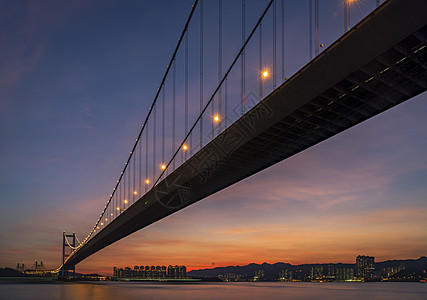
(67, 272)
(38, 266)
(20, 268)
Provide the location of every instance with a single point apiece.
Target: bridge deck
(378, 64)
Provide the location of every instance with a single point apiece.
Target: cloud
(335, 238)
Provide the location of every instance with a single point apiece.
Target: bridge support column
(65, 272)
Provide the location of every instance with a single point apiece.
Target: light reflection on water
(237, 290)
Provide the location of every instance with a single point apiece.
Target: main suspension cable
(149, 113)
(218, 87)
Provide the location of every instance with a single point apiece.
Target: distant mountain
(416, 264)
(242, 270)
(271, 271)
(8, 272)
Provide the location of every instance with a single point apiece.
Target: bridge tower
(65, 272)
(38, 267)
(20, 268)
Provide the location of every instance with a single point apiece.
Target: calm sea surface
(238, 290)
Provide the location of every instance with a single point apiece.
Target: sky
(76, 81)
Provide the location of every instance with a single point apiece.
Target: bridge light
(347, 5)
(216, 118)
(102, 224)
(147, 181)
(265, 74)
(118, 208)
(111, 214)
(125, 201)
(163, 167)
(97, 227)
(106, 219)
(135, 192)
(184, 147)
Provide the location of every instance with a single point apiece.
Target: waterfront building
(177, 271)
(390, 271)
(316, 273)
(259, 275)
(365, 267)
(285, 275)
(344, 274)
(329, 272)
(229, 277)
(151, 272)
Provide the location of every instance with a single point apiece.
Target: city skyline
(364, 268)
(75, 88)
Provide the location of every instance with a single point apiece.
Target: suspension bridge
(224, 133)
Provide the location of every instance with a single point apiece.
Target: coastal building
(151, 272)
(390, 271)
(259, 275)
(177, 271)
(365, 267)
(316, 273)
(285, 275)
(344, 274)
(229, 277)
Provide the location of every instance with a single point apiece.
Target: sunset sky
(76, 81)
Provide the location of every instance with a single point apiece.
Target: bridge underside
(380, 63)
